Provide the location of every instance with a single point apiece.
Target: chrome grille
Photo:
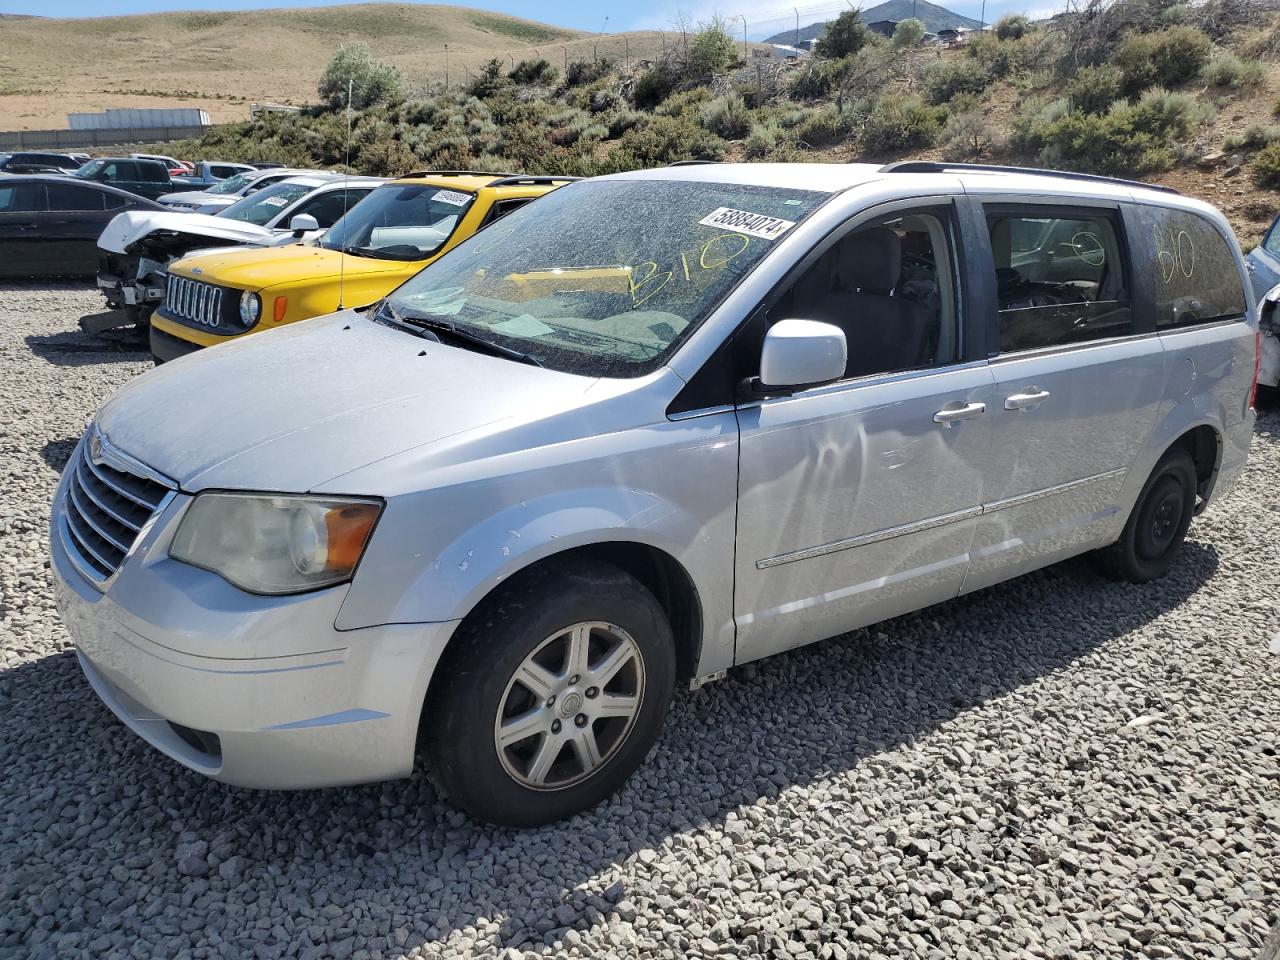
(194, 300)
(105, 508)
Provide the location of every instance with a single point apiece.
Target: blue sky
(763, 17)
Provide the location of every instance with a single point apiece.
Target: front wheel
(554, 693)
(1158, 524)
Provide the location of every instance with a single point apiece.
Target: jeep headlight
(250, 308)
(273, 543)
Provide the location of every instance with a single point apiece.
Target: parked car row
(520, 478)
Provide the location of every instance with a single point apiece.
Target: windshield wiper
(435, 326)
(372, 252)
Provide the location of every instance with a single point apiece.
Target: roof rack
(936, 166)
(690, 163)
(529, 181)
(455, 173)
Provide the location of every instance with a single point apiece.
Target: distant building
(883, 27)
(805, 45)
(141, 119)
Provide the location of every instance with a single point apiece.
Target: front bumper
(165, 346)
(253, 691)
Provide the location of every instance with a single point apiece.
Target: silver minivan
(647, 428)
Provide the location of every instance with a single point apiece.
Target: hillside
(224, 61)
(934, 17)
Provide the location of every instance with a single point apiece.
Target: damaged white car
(136, 248)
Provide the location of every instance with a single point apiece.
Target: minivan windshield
(604, 277)
(262, 205)
(90, 168)
(402, 221)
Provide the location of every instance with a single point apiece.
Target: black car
(146, 178)
(49, 225)
(29, 161)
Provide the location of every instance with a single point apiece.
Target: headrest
(871, 261)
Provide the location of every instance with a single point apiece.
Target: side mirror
(1269, 310)
(303, 223)
(802, 353)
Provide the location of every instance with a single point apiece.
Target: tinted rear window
(1195, 269)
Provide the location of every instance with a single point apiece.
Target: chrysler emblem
(197, 270)
(95, 447)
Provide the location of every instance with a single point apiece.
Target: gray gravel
(1059, 767)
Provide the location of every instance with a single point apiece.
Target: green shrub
(901, 122)
(534, 71)
(371, 81)
(815, 80)
(1012, 26)
(1165, 58)
(711, 51)
(622, 121)
(823, 127)
(908, 33)
(666, 139)
(1254, 137)
(727, 117)
(969, 133)
(385, 158)
(654, 85)
(1266, 167)
(602, 100)
(951, 77)
(582, 72)
(1225, 69)
(1001, 58)
(1094, 89)
(762, 140)
(844, 36)
(686, 101)
(490, 81)
(1176, 117)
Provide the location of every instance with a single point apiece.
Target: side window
(1059, 278)
(502, 208)
(114, 201)
(1197, 279)
(22, 198)
(66, 197)
(154, 172)
(328, 207)
(114, 171)
(1272, 242)
(891, 287)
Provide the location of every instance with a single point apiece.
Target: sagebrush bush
(1266, 167)
(665, 139)
(1001, 58)
(727, 117)
(654, 85)
(602, 100)
(948, 78)
(534, 71)
(845, 35)
(1225, 69)
(582, 72)
(908, 33)
(711, 51)
(969, 134)
(1012, 26)
(762, 140)
(686, 101)
(622, 121)
(1094, 89)
(1165, 58)
(901, 122)
(815, 80)
(823, 127)
(354, 70)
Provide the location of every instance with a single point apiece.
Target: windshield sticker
(274, 201)
(525, 325)
(452, 197)
(743, 221)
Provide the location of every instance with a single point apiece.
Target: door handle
(1026, 401)
(959, 411)
(1250, 266)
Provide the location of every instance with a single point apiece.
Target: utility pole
(797, 43)
(745, 52)
(982, 17)
(446, 66)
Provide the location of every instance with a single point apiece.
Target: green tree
(845, 35)
(908, 33)
(711, 51)
(371, 81)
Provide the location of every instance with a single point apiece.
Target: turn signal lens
(281, 305)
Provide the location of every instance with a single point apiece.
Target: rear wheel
(1158, 525)
(553, 694)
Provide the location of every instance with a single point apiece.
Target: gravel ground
(1059, 767)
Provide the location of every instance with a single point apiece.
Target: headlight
(265, 543)
(250, 308)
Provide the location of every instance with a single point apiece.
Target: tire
(530, 628)
(1158, 524)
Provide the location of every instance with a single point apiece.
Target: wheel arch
(660, 572)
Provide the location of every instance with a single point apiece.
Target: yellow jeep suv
(381, 242)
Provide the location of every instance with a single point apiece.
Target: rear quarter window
(1194, 268)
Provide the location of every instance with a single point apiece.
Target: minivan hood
(257, 269)
(126, 229)
(289, 409)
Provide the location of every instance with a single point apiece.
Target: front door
(22, 206)
(1078, 385)
(857, 500)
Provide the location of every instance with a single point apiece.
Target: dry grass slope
(224, 61)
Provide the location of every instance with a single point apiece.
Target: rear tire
(1158, 524)
(515, 757)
